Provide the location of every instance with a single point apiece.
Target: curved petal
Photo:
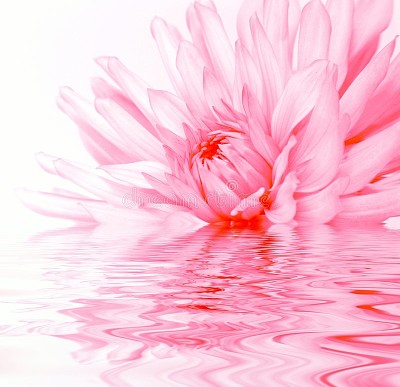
(323, 206)
(315, 34)
(363, 161)
(297, 100)
(375, 207)
(283, 208)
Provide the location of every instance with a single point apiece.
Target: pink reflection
(220, 307)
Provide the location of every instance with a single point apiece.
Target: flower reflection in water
(226, 307)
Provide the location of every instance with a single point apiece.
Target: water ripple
(211, 307)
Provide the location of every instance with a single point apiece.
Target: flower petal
(171, 111)
(191, 65)
(315, 34)
(142, 144)
(133, 173)
(218, 44)
(55, 205)
(297, 101)
(284, 206)
(168, 39)
(272, 78)
(356, 97)
(363, 161)
(322, 206)
(341, 15)
(276, 25)
(375, 207)
(134, 87)
(372, 18)
(317, 156)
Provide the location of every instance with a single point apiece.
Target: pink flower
(298, 120)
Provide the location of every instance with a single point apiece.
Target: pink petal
(142, 144)
(214, 91)
(104, 90)
(275, 22)
(133, 173)
(297, 101)
(248, 9)
(356, 97)
(341, 15)
(317, 156)
(168, 39)
(272, 79)
(385, 183)
(363, 161)
(134, 87)
(54, 205)
(371, 18)
(191, 199)
(221, 199)
(383, 108)
(315, 33)
(100, 139)
(249, 206)
(323, 206)
(284, 207)
(191, 66)
(171, 111)
(282, 162)
(218, 44)
(246, 74)
(375, 207)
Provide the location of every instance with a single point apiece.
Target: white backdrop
(45, 44)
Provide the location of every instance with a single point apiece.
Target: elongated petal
(284, 207)
(133, 173)
(191, 67)
(168, 39)
(383, 108)
(281, 164)
(246, 75)
(371, 18)
(55, 205)
(272, 77)
(315, 34)
(248, 9)
(250, 205)
(218, 195)
(363, 161)
(322, 206)
(134, 87)
(171, 111)
(139, 141)
(218, 44)
(191, 199)
(297, 100)
(317, 156)
(276, 25)
(104, 90)
(375, 207)
(341, 15)
(356, 97)
(99, 137)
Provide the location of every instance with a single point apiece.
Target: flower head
(298, 120)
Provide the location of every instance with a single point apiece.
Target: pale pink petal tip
(296, 121)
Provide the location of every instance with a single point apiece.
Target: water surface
(157, 306)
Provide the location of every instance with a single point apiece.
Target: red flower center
(211, 148)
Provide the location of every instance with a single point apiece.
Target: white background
(46, 44)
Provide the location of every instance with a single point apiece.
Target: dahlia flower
(299, 120)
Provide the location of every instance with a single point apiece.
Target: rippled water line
(220, 307)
